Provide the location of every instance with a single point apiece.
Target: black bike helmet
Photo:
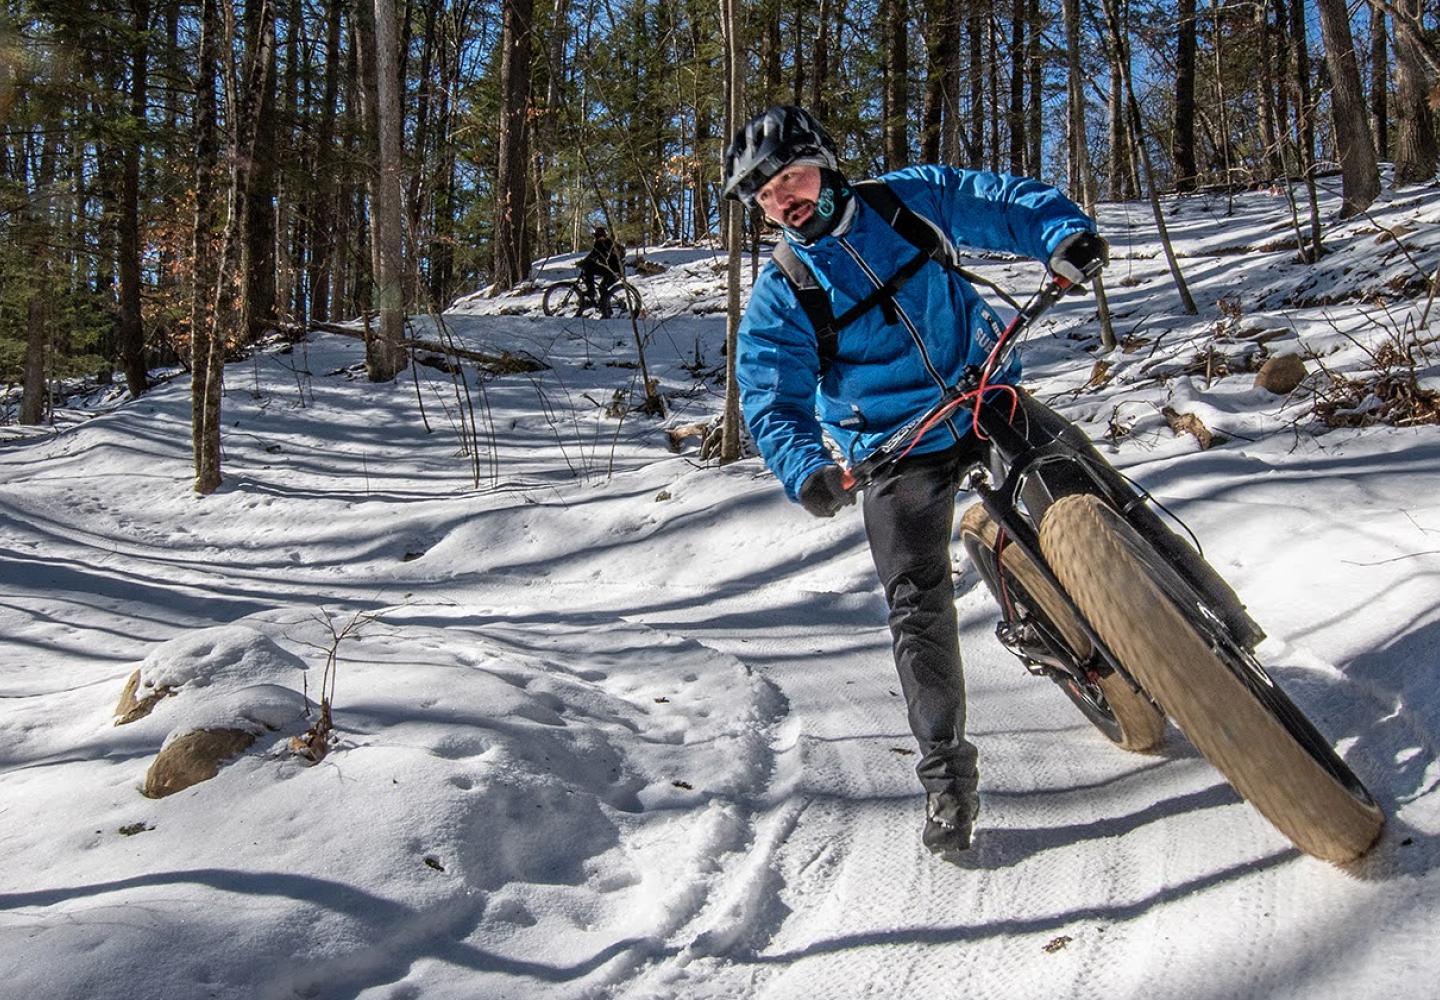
(770, 142)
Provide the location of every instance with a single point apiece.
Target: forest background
(178, 177)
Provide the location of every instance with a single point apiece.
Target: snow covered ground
(610, 723)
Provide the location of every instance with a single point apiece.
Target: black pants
(909, 514)
(606, 280)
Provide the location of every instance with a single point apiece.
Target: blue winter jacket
(882, 374)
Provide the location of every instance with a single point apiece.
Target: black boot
(949, 819)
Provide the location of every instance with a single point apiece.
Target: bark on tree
(37, 334)
(1015, 120)
(941, 39)
(1082, 186)
(1304, 106)
(1379, 82)
(131, 330)
(512, 258)
(1183, 144)
(1415, 143)
(1359, 173)
(733, 226)
(1121, 52)
(975, 147)
(820, 72)
(897, 78)
(322, 206)
(385, 354)
(257, 226)
(1270, 111)
(1122, 178)
(207, 348)
(1034, 112)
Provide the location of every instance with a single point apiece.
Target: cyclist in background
(603, 266)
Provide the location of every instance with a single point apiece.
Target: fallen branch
(1188, 423)
(502, 363)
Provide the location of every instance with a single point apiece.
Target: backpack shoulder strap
(921, 233)
(811, 296)
(916, 230)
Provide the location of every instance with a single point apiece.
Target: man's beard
(826, 211)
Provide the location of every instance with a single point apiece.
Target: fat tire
(1221, 699)
(560, 299)
(1128, 718)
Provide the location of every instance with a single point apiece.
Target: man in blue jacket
(816, 399)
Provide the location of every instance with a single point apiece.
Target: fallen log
(504, 363)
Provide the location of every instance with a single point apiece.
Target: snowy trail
(628, 728)
(1086, 879)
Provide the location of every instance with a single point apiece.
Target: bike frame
(1033, 461)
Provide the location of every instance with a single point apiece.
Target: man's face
(789, 197)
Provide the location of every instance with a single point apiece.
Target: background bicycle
(568, 298)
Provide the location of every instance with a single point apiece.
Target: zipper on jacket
(909, 326)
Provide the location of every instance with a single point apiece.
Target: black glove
(1079, 257)
(824, 492)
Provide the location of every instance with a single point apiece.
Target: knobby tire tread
(1126, 592)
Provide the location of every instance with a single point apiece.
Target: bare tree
(512, 258)
(1303, 103)
(1415, 145)
(942, 39)
(897, 73)
(733, 223)
(1082, 183)
(1183, 144)
(131, 329)
(226, 319)
(385, 353)
(1359, 173)
(1379, 82)
(1121, 53)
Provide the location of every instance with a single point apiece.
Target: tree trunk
(323, 207)
(732, 230)
(385, 354)
(1082, 187)
(897, 78)
(257, 246)
(1015, 120)
(1270, 111)
(952, 127)
(512, 258)
(1122, 69)
(820, 73)
(1034, 112)
(1359, 173)
(33, 393)
(939, 83)
(1379, 83)
(1122, 186)
(1415, 145)
(1183, 144)
(975, 155)
(131, 328)
(207, 348)
(1305, 121)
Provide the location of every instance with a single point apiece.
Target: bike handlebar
(975, 386)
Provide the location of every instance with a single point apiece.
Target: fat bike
(1097, 593)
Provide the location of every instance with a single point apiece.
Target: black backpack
(929, 242)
